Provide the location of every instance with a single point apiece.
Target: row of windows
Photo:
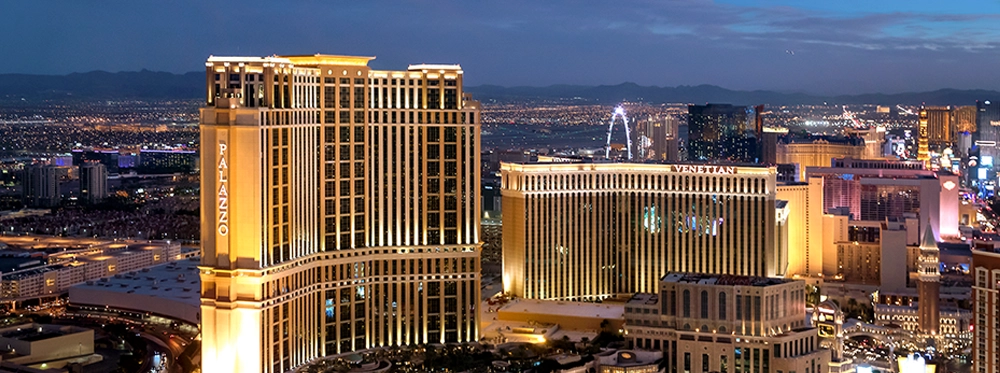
(418, 117)
(346, 168)
(661, 181)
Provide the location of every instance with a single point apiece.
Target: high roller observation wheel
(619, 111)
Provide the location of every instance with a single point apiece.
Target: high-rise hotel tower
(340, 209)
(586, 231)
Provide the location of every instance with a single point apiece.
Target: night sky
(839, 46)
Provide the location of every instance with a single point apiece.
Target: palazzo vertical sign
(223, 194)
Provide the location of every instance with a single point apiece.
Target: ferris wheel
(619, 111)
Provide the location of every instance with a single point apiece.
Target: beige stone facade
(720, 323)
(340, 209)
(584, 231)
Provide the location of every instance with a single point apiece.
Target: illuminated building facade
(987, 141)
(818, 153)
(167, 161)
(584, 231)
(923, 137)
(863, 252)
(986, 310)
(963, 118)
(724, 133)
(877, 190)
(723, 323)
(662, 136)
(937, 120)
(340, 209)
(93, 182)
(988, 129)
(805, 226)
(874, 138)
(770, 136)
(928, 284)
(41, 185)
(829, 322)
(108, 157)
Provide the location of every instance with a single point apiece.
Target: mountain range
(102, 85)
(151, 85)
(709, 93)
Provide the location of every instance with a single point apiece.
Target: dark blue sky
(840, 46)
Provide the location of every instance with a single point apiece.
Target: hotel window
(739, 307)
(704, 304)
(722, 306)
(756, 308)
(686, 303)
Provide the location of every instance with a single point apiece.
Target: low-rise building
(721, 323)
(67, 263)
(53, 345)
(170, 290)
(568, 315)
(628, 361)
(954, 322)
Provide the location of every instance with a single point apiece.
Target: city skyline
(847, 47)
(315, 187)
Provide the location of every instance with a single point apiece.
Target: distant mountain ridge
(102, 85)
(152, 85)
(709, 93)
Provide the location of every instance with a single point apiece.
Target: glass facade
(724, 133)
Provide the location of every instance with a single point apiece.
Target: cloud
(522, 42)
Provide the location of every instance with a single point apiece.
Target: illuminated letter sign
(223, 195)
(703, 169)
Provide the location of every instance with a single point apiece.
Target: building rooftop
(726, 280)
(570, 309)
(176, 280)
(433, 66)
(58, 252)
(37, 332)
(629, 358)
(647, 299)
(328, 59)
(17, 262)
(579, 160)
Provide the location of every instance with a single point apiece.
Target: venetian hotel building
(585, 231)
(340, 209)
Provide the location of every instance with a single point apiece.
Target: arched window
(722, 328)
(686, 303)
(704, 304)
(722, 306)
